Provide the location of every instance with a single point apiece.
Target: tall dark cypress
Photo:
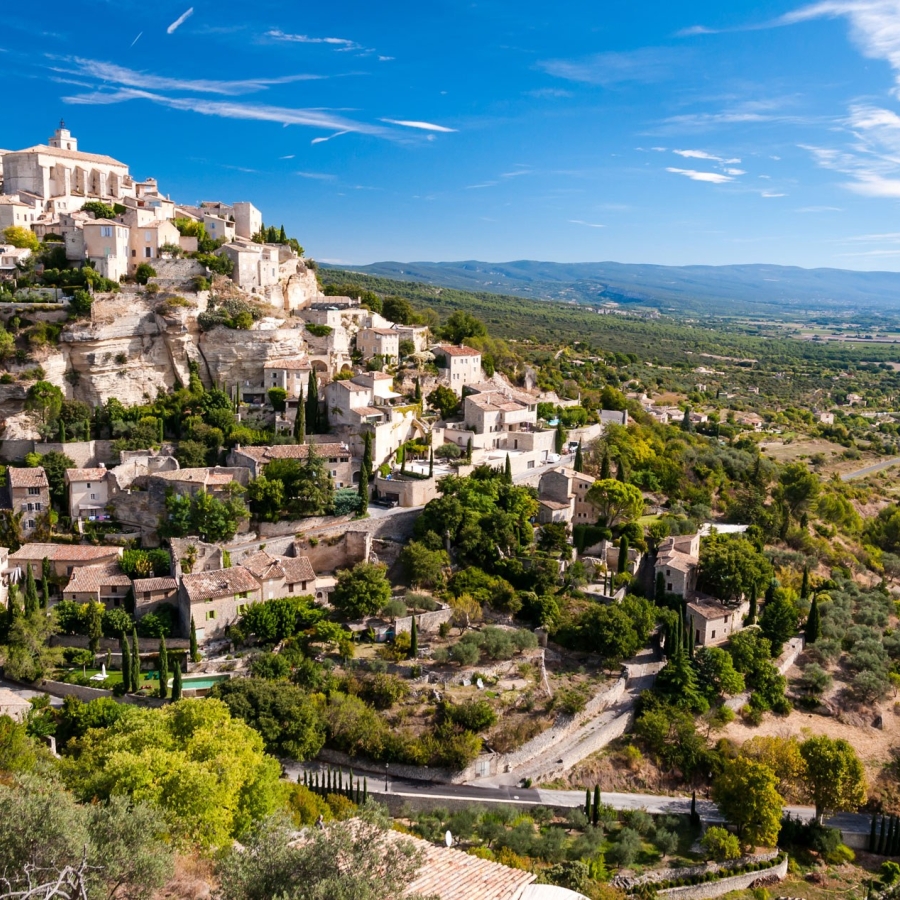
(623, 555)
(176, 682)
(873, 834)
(312, 404)
(578, 465)
(604, 466)
(300, 421)
(414, 640)
(418, 394)
(804, 584)
(431, 462)
(46, 575)
(891, 835)
(587, 803)
(595, 813)
(507, 471)
(163, 669)
(882, 836)
(754, 603)
(136, 679)
(813, 623)
(365, 789)
(620, 471)
(195, 651)
(126, 663)
(31, 595)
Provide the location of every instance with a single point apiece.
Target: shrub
(626, 848)
(840, 855)
(720, 844)
(303, 806)
(382, 691)
(474, 715)
(144, 273)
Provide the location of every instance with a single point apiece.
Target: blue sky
(676, 133)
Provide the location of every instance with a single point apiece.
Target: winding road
(869, 470)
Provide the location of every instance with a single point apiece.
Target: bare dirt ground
(805, 448)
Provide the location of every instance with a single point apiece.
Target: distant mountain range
(725, 290)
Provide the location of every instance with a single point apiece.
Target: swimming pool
(200, 682)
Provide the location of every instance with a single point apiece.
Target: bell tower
(62, 138)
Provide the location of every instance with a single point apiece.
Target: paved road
(516, 796)
(29, 694)
(868, 470)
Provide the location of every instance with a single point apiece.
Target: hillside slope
(744, 290)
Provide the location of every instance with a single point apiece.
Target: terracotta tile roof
(98, 474)
(301, 363)
(25, 478)
(148, 585)
(83, 553)
(673, 559)
(450, 350)
(366, 411)
(710, 608)
(262, 565)
(384, 332)
(196, 476)
(220, 583)
(73, 154)
(297, 569)
(454, 875)
(554, 504)
(90, 579)
(293, 451)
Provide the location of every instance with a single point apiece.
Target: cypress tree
(882, 837)
(579, 459)
(891, 835)
(195, 652)
(62, 432)
(895, 846)
(31, 595)
(282, 236)
(623, 555)
(751, 615)
(136, 679)
(691, 643)
(163, 669)
(312, 404)
(659, 596)
(176, 682)
(587, 803)
(365, 789)
(431, 462)
(469, 449)
(126, 663)
(507, 471)
(414, 640)
(770, 590)
(804, 584)
(402, 454)
(300, 421)
(604, 466)
(873, 834)
(813, 623)
(46, 575)
(559, 439)
(418, 395)
(595, 812)
(162, 433)
(620, 471)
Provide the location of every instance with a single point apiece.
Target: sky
(672, 133)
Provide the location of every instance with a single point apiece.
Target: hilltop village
(342, 532)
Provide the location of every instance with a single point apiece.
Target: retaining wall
(83, 453)
(145, 645)
(724, 885)
(61, 689)
(426, 622)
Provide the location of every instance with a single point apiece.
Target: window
(37, 507)
(148, 252)
(243, 594)
(93, 496)
(334, 473)
(669, 587)
(89, 485)
(241, 608)
(714, 635)
(148, 236)
(134, 252)
(210, 614)
(33, 492)
(697, 638)
(29, 523)
(106, 231)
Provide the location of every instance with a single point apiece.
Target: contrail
(135, 40)
(180, 21)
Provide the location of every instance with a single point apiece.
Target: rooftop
(25, 478)
(72, 154)
(293, 451)
(90, 579)
(220, 583)
(67, 552)
(96, 474)
(451, 350)
(146, 585)
(294, 363)
(710, 608)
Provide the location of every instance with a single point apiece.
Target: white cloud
(317, 176)
(115, 74)
(180, 21)
(322, 140)
(647, 64)
(343, 43)
(423, 126)
(771, 194)
(289, 156)
(702, 154)
(548, 93)
(694, 175)
(478, 187)
(586, 224)
(729, 171)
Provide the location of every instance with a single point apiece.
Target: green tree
(277, 398)
(730, 566)
(206, 772)
(396, 309)
(136, 677)
(300, 421)
(423, 566)
(716, 674)
(195, 651)
(778, 621)
(677, 683)
(579, 459)
(361, 591)
(444, 400)
(720, 844)
(32, 604)
(45, 399)
(798, 487)
(746, 794)
(813, 623)
(312, 403)
(559, 438)
(615, 502)
(126, 663)
(834, 778)
(28, 654)
(143, 273)
(23, 238)
(99, 209)
(359, 859)
(163, 669)
(461, 326)
(414, 640)
(266, 498)
(81, 303)
(55, 464)
(286, 717)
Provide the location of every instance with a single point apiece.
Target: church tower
(62, 139)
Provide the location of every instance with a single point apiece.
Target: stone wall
(425, 622)
(722, 886)
(336, 551)
(82, 453)
(628, 883)
(86, 694)
(145, 645)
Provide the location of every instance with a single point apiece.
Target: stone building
(215, 600)
(88, 492)
(281, 576)
(28, 493)
(336, 455)
(712, 621)
(565, 485)
(678, 558)
(384, 342)
(106, 584)
(461, 365)
(64, 558)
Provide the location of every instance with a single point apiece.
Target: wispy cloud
(317, 176)
(769, 194)
(330, 137)
(548, 93)
(422, 126)
(702, 154)
(586, 224)
(111, 73)
(135, 40)
(180, 21)
(315, 118)
(289, 156)
(339, 43)
(478, 187)
(818, 209)
(694, 175)
(645, 65)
